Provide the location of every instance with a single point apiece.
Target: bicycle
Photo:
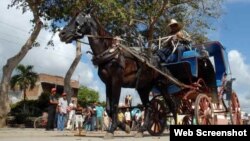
(41, 121)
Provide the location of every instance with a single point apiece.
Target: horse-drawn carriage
(207, 93)
(196, 86)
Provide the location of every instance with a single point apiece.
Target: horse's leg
(109, 100)
(113, 97)
(144, 95)
(171, 103)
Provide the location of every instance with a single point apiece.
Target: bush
(29, 108)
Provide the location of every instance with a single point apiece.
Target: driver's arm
(183, 36)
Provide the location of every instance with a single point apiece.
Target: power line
(12, 26)
(19, 44)
(20, 29)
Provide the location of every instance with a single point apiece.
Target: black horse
(116, 67)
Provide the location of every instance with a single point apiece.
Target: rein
(92, 36)
(103, 37)
(108, 54)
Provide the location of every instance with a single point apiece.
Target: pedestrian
(128, 117)
(143, 116)
(79, 118)
(53, 102)
(62, 111)
(88, 119)
(71, 113)
(106, 120)
(129, 100)
(99, 116)
(93, 117)
(120, 116)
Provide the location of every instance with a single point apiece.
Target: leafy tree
(87, 95)
(42, 101)
(148, 19)
(25, 78)
(12, 62)
(35, 7)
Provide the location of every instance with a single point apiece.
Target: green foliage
(43, 101)
(29, 108)
(103, 103)
(133, 18)
(25, 78)
(86, 96)
(150, 18)
(24, 109)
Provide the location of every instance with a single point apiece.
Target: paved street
(29, 134)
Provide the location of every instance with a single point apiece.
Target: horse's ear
(90, 9)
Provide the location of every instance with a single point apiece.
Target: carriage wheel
(157, 116)
(234, 110)
(203, 110)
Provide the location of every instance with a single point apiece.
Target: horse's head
(78, 26)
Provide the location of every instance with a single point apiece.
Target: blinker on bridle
(81, 19)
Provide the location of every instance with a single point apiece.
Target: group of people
(96, 118)
(59, 111)
(131, 117)
(73, 115)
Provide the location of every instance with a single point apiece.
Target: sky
(232, 30)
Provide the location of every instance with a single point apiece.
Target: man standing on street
(62, 107)
(52, 110)
(99, 116)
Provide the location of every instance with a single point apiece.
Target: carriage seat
(191, 57)
(190, 53)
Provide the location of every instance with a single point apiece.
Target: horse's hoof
(139, 135)
(108, 136)
(127, 129)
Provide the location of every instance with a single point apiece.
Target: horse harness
(111, 54)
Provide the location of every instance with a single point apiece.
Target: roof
(217, 51)
(58, 80)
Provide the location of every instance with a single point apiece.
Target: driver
(172, 47)
(176, 30)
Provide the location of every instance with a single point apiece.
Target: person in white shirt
(71, 112)
(62, 107)
(128, 117)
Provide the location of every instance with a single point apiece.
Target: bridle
(106, 55)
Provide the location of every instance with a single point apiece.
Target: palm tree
(25, 78)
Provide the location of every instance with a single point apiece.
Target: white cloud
(241, 71)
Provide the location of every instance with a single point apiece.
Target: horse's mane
(103, 34)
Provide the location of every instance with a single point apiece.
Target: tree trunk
(67, 87)
(24, 94)
(8, 69)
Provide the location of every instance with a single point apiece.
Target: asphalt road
(29, 134)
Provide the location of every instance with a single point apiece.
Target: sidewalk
(30, 134)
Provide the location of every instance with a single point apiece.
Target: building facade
(44, 84)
